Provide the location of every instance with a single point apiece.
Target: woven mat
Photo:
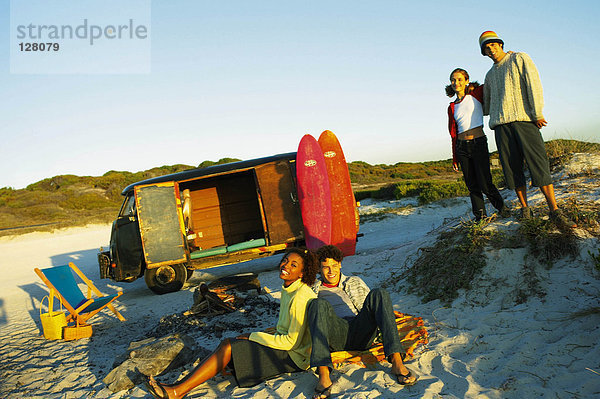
(412, 334)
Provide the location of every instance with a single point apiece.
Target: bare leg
(548, 192)
(205, 371)
(522, 195)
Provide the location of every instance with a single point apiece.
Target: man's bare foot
(404, 375)
(406, 379)
(322, 392)
(323, 388)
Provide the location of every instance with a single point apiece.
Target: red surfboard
(313, 193)
(343, 204)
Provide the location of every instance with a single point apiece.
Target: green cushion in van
(246, 244)
(203, 253)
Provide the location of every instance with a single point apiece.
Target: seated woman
(259, 356)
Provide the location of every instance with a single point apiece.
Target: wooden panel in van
(282, 211)
(225, 210)
(206, 216)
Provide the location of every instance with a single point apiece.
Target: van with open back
(170, 225)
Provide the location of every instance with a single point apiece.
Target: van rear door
(161, 224)
(278, 192)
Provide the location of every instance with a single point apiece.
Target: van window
(128, 208)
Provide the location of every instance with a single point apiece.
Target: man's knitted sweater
(513, 91)
(353, 286)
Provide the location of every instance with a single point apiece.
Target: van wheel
(165, 279)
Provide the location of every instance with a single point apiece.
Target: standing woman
(259, 356)
(469, 144)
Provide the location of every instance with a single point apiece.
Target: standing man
(347, 316)
(514, 100)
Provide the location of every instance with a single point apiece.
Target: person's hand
(455, 166)
(243, 336)
(540, 123)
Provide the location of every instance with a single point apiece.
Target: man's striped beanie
(489, 36)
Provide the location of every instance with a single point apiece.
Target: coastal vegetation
(455, 261)
(70, 200)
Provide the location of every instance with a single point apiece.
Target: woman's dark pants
(474, 160)
(331, 333)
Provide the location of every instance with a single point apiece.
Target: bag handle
(50, 305)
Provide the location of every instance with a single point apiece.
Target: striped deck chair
(61, 283)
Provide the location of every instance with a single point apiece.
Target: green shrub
(436, 192)
(561, 151)
(221, 161)
(498, 178)
(427, 191)
(88, 201)
(362, 194)
(363, 173)
(451, 264)
(409, 189)
(42, 213)
(547, 243)
(558, 148)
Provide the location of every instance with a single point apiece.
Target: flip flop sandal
(319, 393)
(159, 395)
(404, 379)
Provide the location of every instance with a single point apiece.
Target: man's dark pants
(331, 333)
(518, 141)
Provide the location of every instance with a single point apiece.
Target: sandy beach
(484, 345)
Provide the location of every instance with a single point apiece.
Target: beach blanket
(412, 334)
(411, 330)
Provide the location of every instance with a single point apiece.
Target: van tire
(165, 279)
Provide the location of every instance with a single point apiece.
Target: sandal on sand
(322, 393)
(152, 390)
(405, 379)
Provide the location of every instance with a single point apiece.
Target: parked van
(170, 225)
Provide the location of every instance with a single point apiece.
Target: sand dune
(485, 345)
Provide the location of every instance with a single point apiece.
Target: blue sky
(249, 78)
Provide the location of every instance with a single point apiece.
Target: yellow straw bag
(52, 322)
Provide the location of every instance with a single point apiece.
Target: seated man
(347, 316)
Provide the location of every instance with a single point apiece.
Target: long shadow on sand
(86, 261)
(36, 292)
(3, 318)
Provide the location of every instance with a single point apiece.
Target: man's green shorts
(518, 142)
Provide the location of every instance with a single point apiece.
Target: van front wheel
(165, 279)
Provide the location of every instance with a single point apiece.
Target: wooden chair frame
(78, 314)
